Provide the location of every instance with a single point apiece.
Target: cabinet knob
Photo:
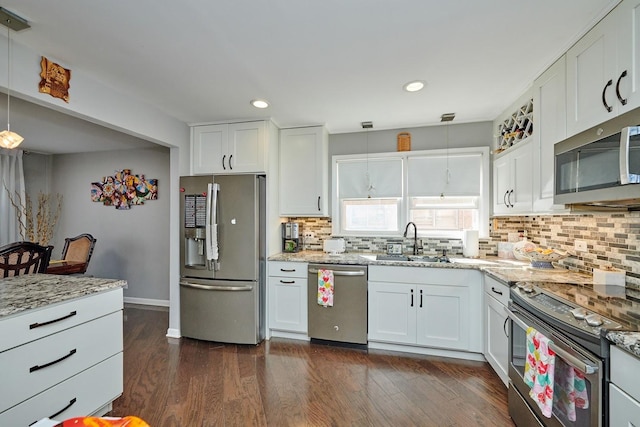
(336, 327)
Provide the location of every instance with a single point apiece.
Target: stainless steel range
(576, 335)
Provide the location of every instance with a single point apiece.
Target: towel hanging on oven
(325, 288)
(539, 370)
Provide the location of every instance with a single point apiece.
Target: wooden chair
(79, 249)
(24, 258)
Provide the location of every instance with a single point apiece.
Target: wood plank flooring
(185, 382)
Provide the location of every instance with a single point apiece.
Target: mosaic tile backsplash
(613, 239)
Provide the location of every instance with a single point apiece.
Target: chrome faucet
(415, 236)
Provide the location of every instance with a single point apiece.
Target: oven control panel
(564, 311)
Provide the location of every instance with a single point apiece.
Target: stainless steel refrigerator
(222, 256)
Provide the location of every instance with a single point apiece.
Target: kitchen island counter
(30, 291)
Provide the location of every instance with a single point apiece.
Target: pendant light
(366, 126)
(9, 139)
(447, 118)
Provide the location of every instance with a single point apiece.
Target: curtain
(11, 183)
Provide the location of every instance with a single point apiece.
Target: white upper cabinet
(513, 181)
(229, 148)
(602, 70)
(304, 172)
(549, 127)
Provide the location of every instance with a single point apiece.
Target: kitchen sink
(406, 258)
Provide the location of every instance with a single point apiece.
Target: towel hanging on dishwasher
(325, 288)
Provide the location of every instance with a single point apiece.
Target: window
(442, 191)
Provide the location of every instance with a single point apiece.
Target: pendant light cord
(8, 76)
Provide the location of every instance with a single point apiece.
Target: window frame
(484, 198)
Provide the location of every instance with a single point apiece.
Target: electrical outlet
(309, 235)
(580, 245)
(582, 299)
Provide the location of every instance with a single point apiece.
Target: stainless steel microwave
(600, 166)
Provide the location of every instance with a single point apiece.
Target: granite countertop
(29, 291)
(368, 258)
(629, 341)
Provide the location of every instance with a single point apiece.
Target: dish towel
(539, 370)
(571, 390)
(325, 288)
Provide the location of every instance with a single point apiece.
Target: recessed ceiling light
(259, 103)
(414, 86)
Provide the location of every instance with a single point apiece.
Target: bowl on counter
(540, 257)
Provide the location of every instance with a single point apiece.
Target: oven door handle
(569, 359)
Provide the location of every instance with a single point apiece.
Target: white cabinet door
(288, 304)
(209, 148)
(521, 196)
(246, 147)
(392, 312)
(501, 184)
(443, 316)
(512, 180)
(623, 409)
(628, 18)
(497, 342)
(549, 127)
(602, 70)
(304, 171)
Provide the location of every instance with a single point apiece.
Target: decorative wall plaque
(54, 79)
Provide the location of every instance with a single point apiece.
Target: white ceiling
(332, 62)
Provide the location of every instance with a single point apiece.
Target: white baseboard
(147, 301)
(427, 351)
(173, 333)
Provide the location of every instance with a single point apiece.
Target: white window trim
(483, 207)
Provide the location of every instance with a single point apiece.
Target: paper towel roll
(470, 244)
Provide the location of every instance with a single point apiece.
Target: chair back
(79, 248)
(24, 258)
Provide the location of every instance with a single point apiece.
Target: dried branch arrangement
(46, 217)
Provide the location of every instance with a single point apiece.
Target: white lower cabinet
(624, 390)
(428, 307)
(61, 361)
(287, 297)
(496, 349)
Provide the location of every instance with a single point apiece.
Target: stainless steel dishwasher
(346, 320)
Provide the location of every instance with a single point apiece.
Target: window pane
(370, 214)
(447, 213)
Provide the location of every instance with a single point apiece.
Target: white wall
(132, 244)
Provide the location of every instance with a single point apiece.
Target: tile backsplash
(613, 239)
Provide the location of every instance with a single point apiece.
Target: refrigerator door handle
(216, 288)
(211, 226)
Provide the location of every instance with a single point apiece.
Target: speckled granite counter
(629, 341)
(362, 258)
(31, 291)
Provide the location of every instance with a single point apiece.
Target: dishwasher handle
(341, 272)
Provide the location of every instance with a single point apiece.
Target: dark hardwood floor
(185, 382)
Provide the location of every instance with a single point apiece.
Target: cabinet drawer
(41, 364)
(81, 395)
(496, 289)
(34, 324)
(625, 372)
(288, 269)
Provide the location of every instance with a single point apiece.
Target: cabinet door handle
(69, 405)
(223, 159)
(496, 291)
(230, 157)
(411, 297)
(504, 198)
(620, 98)
(53, 362)
(504, 327)
(604, 99)
(37, 324)
(318, 203)
(420, 298)
(287, 282)
(288, 270)
(509, 199)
